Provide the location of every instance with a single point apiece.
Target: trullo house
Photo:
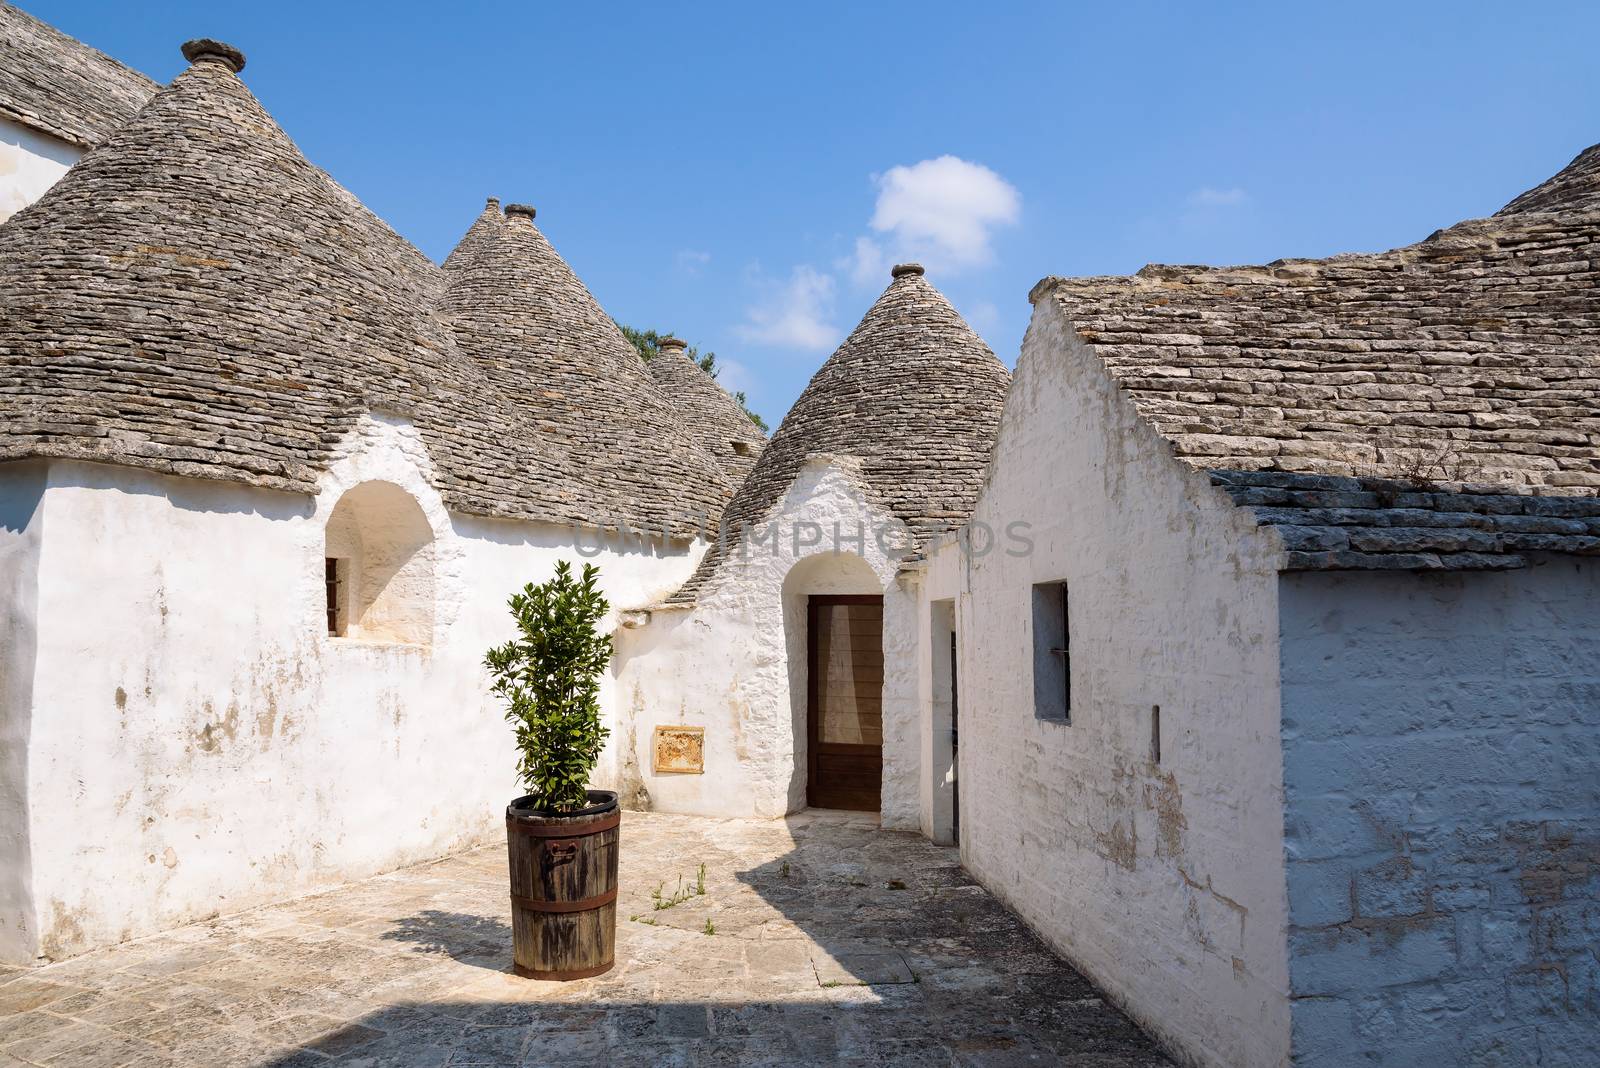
(1244, 638)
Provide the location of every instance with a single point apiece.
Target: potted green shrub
(562, 837)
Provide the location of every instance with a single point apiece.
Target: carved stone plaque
(680, 751)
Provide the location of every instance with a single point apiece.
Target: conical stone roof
(714, 418)
(196, 298)
(522, 315)
(913, 393)
(1575, 188)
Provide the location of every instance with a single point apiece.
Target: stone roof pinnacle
(204, 48)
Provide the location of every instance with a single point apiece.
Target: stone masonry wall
(1441, 752)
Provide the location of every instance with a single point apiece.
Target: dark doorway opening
(955, 745)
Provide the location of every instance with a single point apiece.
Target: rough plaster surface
(1164, 883)
(30, 163)
(21, 533)
(1441, 752)
(199, 744)
(941, 581)
(903, 637)
(736, 665)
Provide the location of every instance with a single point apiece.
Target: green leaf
(549, 679)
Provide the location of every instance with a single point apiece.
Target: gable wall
(1442, 773)
(1163, 883)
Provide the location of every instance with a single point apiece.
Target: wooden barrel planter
(564, 888)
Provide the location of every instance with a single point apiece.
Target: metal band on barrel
(565, 906)
(550, 830)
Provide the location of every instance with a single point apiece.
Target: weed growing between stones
(680, 895)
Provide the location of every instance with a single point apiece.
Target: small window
(336, 602)
(741, 448)
(1052, 653)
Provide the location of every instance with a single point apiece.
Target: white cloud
(868, 264)
(691, 261)
(1209, 197)
(942, 212)
(793, 314)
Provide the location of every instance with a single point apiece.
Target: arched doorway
(378, 565)
(834, 613)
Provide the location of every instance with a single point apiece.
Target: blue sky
(743, 173)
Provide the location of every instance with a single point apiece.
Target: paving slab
(813, 940)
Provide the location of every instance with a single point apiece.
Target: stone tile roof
(519, 311)
(714, 418)
(1465, 367)
(1327, 522)
(913, 393)
(60, 86)
(1576, 188)
(195, 297)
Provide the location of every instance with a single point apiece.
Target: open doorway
(844, 703)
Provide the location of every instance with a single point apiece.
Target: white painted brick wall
(1442, 771)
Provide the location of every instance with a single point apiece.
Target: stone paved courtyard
(817, 940)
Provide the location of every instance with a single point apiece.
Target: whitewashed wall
(939, 583)
(21, 531)
(736, 663)
(30, 163)
(1442, 771)
(200, 745)
(1164, 883)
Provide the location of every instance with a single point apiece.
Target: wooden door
(845, 702)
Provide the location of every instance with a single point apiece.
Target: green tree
(648, 344)
(550, 681)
